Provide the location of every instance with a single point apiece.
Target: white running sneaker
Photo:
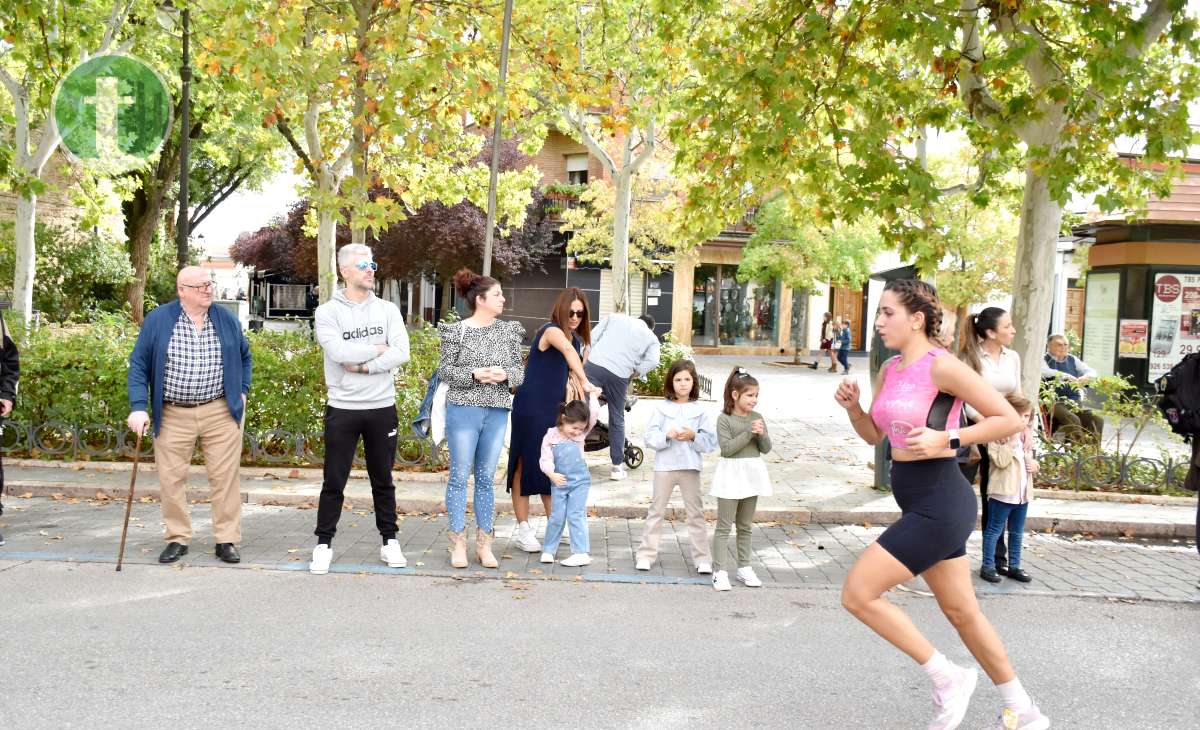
(393, 555)
(618, 473)
(721, 581)
(749, 577)
(526, 539)
(950, 704)
(643, 564)
(1031, 719)
(547, 557)
(578, 560)
(704, 568)
(322, 557)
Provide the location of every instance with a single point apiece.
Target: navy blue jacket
(149, 359)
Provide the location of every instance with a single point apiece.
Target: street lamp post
(185, 77)
(495, 172)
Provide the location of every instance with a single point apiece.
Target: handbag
(431, 417)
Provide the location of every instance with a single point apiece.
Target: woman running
(919, 396)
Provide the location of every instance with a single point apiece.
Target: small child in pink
(562, 461)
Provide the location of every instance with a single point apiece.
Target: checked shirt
(193, 372)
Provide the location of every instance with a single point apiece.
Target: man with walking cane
(10, 371)
(191, 366)
(364, 341)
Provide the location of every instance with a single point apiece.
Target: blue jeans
(999, 515)
(614, 388)
(843, 356)
(475, 436)
(568, 503)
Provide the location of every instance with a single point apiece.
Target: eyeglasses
(206, 286)
(576, 314)
(364, 265)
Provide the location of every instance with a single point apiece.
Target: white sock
(941, 670)
(1014, 695)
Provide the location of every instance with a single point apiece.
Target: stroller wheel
(633, 456)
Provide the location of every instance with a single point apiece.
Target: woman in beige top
(986, 349)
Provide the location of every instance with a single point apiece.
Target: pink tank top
(909, 399)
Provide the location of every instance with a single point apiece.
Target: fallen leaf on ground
(293, 550)
(420, 564)
(57, 496)
(27, 495)
(294, 474)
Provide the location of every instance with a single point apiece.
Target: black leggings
(377, 427)
(937, 513)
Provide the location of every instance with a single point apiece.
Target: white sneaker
(526, 540)
(322, 557)
(950, 705)
(1031, 719)
(704, 568)
(721, 581)
(547, 557)
(393, 555)
(618, 473)
(577, 560)
(749, 577)
(643, 564)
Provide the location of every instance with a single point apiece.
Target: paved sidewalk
(280, 538)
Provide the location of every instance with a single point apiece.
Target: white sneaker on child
(393, 555)
(322, 557)
(526, 539)
(721, 581)
(578, 560)
(704, 568)
(547, 557)
(643, 564)
(950, 702)
(1031, 719)
(749, 577)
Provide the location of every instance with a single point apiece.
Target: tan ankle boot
(483, 549)
(458, 549)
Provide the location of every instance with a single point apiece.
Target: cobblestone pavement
(280, 538)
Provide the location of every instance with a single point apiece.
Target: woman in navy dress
(555, 354)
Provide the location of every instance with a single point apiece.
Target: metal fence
(104, 441)
(1103, 471)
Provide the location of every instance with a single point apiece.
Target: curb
(1109, 528)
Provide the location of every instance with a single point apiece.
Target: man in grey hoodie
(364, 340)
(623, 347)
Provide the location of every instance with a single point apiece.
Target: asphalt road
(155, 647)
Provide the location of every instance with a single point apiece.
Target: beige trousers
(689, 488)
(221, 443)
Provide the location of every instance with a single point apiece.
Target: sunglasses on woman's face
(576, 314)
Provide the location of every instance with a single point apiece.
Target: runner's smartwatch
(954, 442)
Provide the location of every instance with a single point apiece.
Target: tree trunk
(620, 248)
(326, 251)
(145, 212)
(26, 254)
(358, 137)
(1033, 287)
(447, 292)
(961, 313)
(799, 322)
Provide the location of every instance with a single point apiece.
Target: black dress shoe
(1018, 575)
(989, 574)
(172, 552)
(227, 552)
(1001, 568)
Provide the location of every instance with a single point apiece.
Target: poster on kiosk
(1175, 322)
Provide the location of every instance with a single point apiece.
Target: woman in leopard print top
(480, 361)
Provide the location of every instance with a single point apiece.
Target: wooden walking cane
(137, 453)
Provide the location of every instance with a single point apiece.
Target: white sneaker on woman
(721, 581)
(393, 555)
(526, 539)
(322, 557)
(643, 564)
(704, 568)
(749, 577)
(578, 560)
(950, 703)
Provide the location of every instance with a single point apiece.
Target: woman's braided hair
(917, 296)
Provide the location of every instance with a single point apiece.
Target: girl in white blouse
(986, 349)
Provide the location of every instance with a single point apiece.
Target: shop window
(728, 312)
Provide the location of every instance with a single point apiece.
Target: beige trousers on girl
(689, 488)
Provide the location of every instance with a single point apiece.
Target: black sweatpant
(343, 427)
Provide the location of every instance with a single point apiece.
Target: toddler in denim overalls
(562, 461)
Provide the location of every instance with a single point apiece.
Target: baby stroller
(597, 438)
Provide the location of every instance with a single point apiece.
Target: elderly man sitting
(1068, 413)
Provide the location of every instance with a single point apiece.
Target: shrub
(655, 380)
